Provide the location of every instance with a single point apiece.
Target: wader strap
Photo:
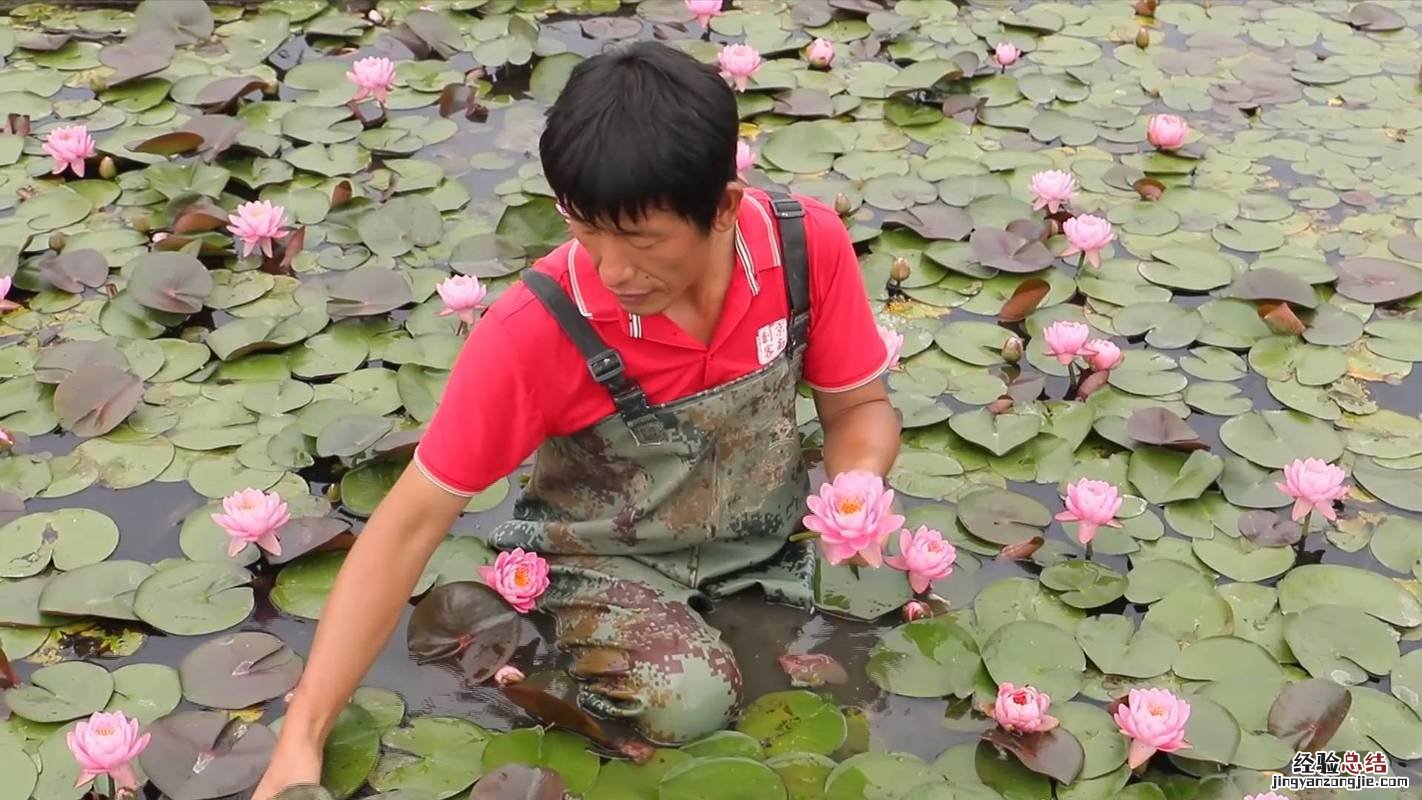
(796, 261)
(604, 363)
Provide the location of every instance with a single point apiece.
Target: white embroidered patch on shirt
(770, 341)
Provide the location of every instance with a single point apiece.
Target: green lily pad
(721, 778)
(877, 776)
(70, 538)
(103, 590)
(925, 658)
(997, 433)
(794, 721)
(869, 595)
(62, 692)
(146, 692)
(1036, 654)
(1241, 559)
(1115, 646)
(1275, 438)
(1002, 517)
(1340, 643)
(558, 751)
(437, 757)
(1162, 475)
(1336, 584)
(1085, 584)
(194, 598)
(1101, 740)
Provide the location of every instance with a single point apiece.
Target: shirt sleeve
(487, 421)
(845, 350)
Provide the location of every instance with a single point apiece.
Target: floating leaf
(61, 692)
(1160, 426)
(174, 282)
(1306, 714)
(240, 670)
(1055, 753)
(925, 658)
(468, 620)
(199, 755)
(1008, 251)
(1002, 517)
(794, 721)
(195, 598)
(94, 399)
(1029, 652)
(1377, 280)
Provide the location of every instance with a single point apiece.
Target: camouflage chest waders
(655, 505)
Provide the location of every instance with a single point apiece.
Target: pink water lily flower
(106, 744)
(69, 146)
(1102, 354)
(1167, 131)
(257, 224)
(6, 440)
(1006, 54)
(820, 54)
(893, 342)
(738, 63)
(1313, 484)
(1052, 189)
(373, 76)
(1154, 719)
(6, 305)
(520, 577)
(1090, 504)
(925, 556)
(1022, 709)
(252, 517)
(1064, 339)
(462, 295)
(745, 156)
(1087, 234)
(704, 10)
(852, 515)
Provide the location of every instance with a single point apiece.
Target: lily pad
(1036, 654)
(62, 692)
(199, 755)
(925, 658)
(240, 670)
(194, 598)
(794, 721)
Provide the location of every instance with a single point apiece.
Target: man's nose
(614, 271)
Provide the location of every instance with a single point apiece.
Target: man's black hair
(637, 128)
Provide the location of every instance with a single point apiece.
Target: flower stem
(1081, 260)
(1303, 537)
(1088, 551)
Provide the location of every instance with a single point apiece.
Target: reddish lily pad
(200, 755)
(239, 670)
(468, 620)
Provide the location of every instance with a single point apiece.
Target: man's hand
(293, 762)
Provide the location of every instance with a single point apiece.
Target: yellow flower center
(521, 578)
(102, 730)
(1155, 710)
(849, 505)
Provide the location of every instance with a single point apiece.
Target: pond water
(1263, 280)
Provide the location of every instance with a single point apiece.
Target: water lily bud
(108, 170)
(916, 609)
(1142, 38)
(841, 204)
(96, 84)
(1012, 350)
(56, 241)
(270, 88)
(142, 223)
(1001, 405)
(901, 270)
(375, 17)
(1145, 8)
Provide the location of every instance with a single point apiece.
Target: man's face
(650, 262)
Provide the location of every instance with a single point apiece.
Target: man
(652, 364)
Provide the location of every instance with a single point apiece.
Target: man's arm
(861, 429)
(365, 605)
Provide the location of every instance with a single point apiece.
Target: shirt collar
(756, 246)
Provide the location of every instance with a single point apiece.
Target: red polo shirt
(519, 379)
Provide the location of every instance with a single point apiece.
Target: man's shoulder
(517, 305)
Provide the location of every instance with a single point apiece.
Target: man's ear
(729, 209)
